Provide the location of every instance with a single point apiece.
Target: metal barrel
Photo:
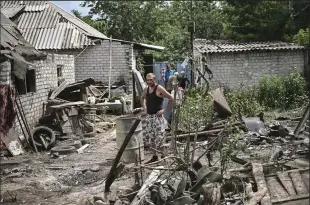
(123, 125)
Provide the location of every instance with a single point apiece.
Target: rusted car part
(44, 138)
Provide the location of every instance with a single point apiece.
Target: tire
(63, 149)
(43, 129)
(90, 134)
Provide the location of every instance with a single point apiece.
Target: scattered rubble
(237, 160)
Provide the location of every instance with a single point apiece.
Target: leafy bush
(272, 92)
(196, 110)
(282, 92)
(244, 101)
(302, 37)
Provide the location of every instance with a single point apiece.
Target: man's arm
(142, 99)
(165, 94)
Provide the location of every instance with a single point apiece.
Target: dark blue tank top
(153, 102)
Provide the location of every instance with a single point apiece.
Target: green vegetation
(196, 110)
(273, 92)
(165, 23)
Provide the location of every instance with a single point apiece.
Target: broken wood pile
(176, 179)
(72, 112)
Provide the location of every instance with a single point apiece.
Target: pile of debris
(73, 112)
(177, 180)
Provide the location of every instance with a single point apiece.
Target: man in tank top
(154, 124)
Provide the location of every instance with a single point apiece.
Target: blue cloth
(168, 74)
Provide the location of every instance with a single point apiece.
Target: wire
(81, 52)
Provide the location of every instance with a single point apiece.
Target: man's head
(182, 73)
(172, 67)
(168, 66)
(151, 79)
(176, 74)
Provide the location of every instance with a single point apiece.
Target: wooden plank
(259, 177)
(276, 190)
(292, 198)
(58, 90)
(12, 143)
(287, 183)
(305, 178)
(148, 183)
(257, 197)
(67, 105)
(298, 183)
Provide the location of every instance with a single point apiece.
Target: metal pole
(110, 67)
(192, 47)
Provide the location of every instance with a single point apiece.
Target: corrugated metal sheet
(47, 26)
(12, 11)
(220, 46)
(12, 40)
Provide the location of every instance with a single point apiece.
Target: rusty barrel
(131, 152)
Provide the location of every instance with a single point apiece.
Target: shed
(235, 63)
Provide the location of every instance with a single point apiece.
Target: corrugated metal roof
(221, 46)
(12, 11)
(47, 26)
(13, 41)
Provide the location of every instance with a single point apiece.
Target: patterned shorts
(154, 131)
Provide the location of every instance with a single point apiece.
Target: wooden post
(258, 173)
(110, 67)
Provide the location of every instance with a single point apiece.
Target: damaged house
(233, 63)
(26, 74)
(51, 29)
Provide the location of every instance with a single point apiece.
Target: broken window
(59, 70)
(28, 84)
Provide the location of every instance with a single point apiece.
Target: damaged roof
(16, 48)
(13, 42)
(223, 46)
(47, 26)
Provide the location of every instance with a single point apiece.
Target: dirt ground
(65, 180)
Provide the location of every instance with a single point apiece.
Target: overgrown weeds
(196, 110)
(272, 92)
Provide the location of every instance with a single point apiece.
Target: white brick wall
(46, 79)
(95, 62)
(231, 69)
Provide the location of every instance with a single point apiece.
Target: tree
(98, 24)
(302, 37)
(159, 23)
(256, 20)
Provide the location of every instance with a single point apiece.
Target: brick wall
(46, 79)
(95, 62)
(231, 69)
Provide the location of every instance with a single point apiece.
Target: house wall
(231, 69)
(46, 79)
(94, 62)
